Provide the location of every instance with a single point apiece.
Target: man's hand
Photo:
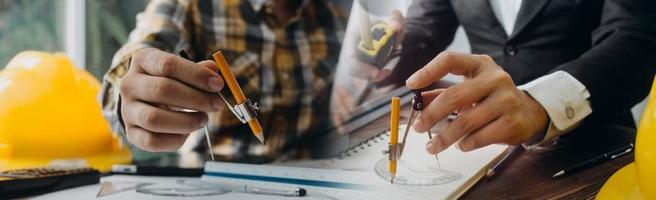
(157, 88)
(490, 107)
(369, 72)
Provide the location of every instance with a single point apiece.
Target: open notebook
(361, 172)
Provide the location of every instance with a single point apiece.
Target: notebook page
(365, 166)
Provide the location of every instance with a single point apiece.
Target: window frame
(75, 40)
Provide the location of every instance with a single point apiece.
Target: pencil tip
(260, 137)
(560, 173)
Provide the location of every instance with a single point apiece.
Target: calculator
(33, 181)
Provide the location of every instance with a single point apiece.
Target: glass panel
(30, 25)
(108, 23)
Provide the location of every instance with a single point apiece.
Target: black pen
(596, 160)
(510, 154)
(156, 171)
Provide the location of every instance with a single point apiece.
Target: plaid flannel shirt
(288, 69)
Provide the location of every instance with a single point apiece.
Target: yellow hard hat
(638, 180)
(49, 113)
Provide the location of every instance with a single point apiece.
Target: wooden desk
(528, 175)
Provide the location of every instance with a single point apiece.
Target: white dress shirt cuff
(564, 98)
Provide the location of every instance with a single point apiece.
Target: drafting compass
(417, 107)
(243, 109)
(416, 172)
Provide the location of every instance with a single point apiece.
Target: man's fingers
(155, 142)
(166, 91)
(442, 64)
(498, 131)
(210, 65)
(396, 20)
(397, 24)
(162, 64)
(453, 98)
(429, 96)
(161, 120)
(466, 122)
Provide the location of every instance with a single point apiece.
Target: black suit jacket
(609, 46)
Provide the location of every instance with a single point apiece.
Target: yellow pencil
(239, 96)
(394, 136)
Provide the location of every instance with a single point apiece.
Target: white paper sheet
(357, 170)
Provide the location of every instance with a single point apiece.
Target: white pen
(245, 188)
(270, 191)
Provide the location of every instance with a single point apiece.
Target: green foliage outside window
(40, 24)
(25, 25)
(108, 24)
